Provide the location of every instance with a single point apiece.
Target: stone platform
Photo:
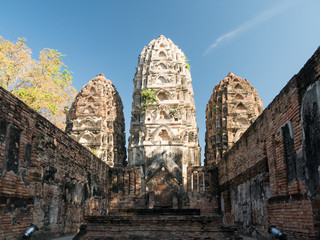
(159, 211)
(155, 224)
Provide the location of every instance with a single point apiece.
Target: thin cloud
(260, 18)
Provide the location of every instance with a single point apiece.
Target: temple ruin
(262, 167)
(96, 121)
(164, 133)
(233, 106)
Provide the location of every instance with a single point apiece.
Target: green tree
(44, 84)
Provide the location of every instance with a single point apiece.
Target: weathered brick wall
(46, 178)
(125, 189)
(271, 175)
(202, 190)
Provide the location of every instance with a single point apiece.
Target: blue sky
(266, 42)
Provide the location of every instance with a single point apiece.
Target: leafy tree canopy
(44, 84)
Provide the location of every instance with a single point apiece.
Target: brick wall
(202, 190)
(125, 189)
(271, 175)
(46, 178)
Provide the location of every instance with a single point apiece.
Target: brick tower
(233, 106)
(96, 121)
(164, 133)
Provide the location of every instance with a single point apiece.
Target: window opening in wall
(162, 54)
(93, 90)
(242, 121)
(11, 153)
(218, 122)
(238, 97)
(162, 80)
(241, 107)
(3, 131)
(85, 139)
(89, 110)
(238, 86)
(162, 96)
(162, 66)
(289, 151)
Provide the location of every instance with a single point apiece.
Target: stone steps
(158, 211)
(152, 227)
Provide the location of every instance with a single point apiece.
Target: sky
(265, 42)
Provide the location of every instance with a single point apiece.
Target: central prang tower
(164, 132)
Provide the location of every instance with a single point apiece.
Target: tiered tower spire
(96, 121)
(234, 105)
(164, 133)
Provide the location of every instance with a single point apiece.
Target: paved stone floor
(71, 237)
(64, 238)
(248, 238)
